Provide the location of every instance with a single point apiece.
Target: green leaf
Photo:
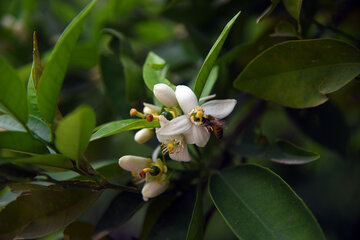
(122, 207)
(48, 160)
(288, 153)
(21, 142)
(53, 75)
(213, 76)
(12, 92)
(211, 58)
(284, 29)
(257, 204)
(153, 71)
(9, 123)
(300, 73)
(293, 7)
(112, 128)
(195, 230)
(268, 10)
(73, 132)
(133, 77)
(79, 231)
(173, 224)
(39, 212)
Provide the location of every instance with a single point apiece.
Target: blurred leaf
(288, 153)
(53, 75)
(112, 128)
(284, 29)
(21, 142)
(122, 207)
(213, 76)
(133, 77)
(51, 160)
(293, 7)
(79, 231)
(300, 73)
(9, 123)
(36, 68)
(108, 168)
(12, 92)
(258, 204)
(268, 10)
(317, 122)
(39, 212)
(195, 230)
(153, 31)
(73, 132)
(152, 71)
(210, 59)
(174, 223)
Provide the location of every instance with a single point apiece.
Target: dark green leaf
(39, 212)
(112, 128)
(293, 7)
(79, 231)
(284, 29)
(210, 59)
(173, 224)
(121, 208)
(268, 10)
(21, 142)
(258, 204)
(300, 73)
(49, 160)
(73, 132)
(53, 75)
(12, 92)
(153, 71)
(133, 77)
(195, 230)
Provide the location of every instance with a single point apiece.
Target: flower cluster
(175, 133)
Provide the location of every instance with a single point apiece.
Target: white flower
(192, 124)
(134, 163)
(165, 95)
(154, 188)
(151, 109)
(144, 135)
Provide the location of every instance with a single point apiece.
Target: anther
(149, 118)
(199, 114)
(170, 147)
(134, 112)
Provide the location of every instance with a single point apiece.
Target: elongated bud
(154, 188)
(144, 135)
(165, 95)
(134, 163)
(151, 109)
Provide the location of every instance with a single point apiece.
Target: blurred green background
(182, 32)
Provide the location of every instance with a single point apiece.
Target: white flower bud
(165, 95)
(154, 188)
(144, 135)
(151, 109)
(134, 163)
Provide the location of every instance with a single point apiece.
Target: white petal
(163, 121)
(144, 135)
(181, 156)
(165, 94)
(133, 163)
(156, 153)
(189, 135)
(176, 126)
(207, 98)
(186, 98)
(219, 108)
(201, 136)
(151, 109)
(154, 188)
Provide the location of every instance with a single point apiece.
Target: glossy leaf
(300, 73)
(258, 204)
(21, 142)
(173, 224)
(39, 212)
(288, 153)
(112, 128)
(53, 75)
(195, 230)
(73, 132)
(213, 76)
(268, 10)
(153, 71)
(48, 160)
(12, 92)
(122, 207)
(211, 58)
(293, 7)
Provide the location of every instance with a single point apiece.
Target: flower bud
(134, 163)
(144, 135)
(154, 188)
(151, 109)
(165, 95)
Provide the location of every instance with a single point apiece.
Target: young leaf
(300, 73)
(37, 213)
(268, 10)
(257, 204)
(210, 82)
(21, 142)
(288, 153)
(73, 132)
(53, 75)
(211, 58)
(112, 128)
(122, 207)
(12, 92)
(293, 7)
(152, 71)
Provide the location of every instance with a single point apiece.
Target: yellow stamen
(199, 114)
(146, 170)
(170, 147)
